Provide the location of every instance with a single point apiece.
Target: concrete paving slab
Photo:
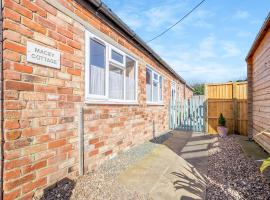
(199, 147)
(253, 150)
(164, 173)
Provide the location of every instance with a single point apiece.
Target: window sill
(155, 103)
(104, 102)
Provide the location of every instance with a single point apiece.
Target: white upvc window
(154, 86)
(110, 74)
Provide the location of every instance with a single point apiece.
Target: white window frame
(160, 101)
(112, 48)
(173, 88)
(88, 37)
(136, 80)
(104, 99)
(162, 80)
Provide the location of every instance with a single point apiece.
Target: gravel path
(102, 184)
(232, 175)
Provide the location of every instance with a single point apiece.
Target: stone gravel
(102, 183)
(233, 175)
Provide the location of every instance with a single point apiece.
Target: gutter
(2, 141)
(259, 37)
(106, 11)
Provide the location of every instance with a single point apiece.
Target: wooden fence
(230, 99)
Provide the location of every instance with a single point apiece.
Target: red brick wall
(188, 92)
(41, 104)
(1, 97)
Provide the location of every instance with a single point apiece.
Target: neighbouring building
(258, 72)
(62, 55)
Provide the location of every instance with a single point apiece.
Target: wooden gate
(230, 99)
(188, 114)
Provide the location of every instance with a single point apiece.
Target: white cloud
(204, 62)
(230, 49)
(198, 56)
(157, 18)
(210, 72)
(133, 21)
(207, 48)
(200, 18)
(256, 22)
(131, 17)
(243, 34)
(241, 14)
(152, 18)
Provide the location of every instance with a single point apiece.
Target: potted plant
(222, 129)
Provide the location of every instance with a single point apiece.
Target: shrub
(221, 120)
(265, 164)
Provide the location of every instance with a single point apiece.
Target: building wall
(259, 87)
(41, 104)
(188, 92)
(1, 97)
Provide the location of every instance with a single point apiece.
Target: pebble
(102, 183)
(233, 175)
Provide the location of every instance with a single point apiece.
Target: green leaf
(265, 164)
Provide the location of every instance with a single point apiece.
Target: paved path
(174, 169)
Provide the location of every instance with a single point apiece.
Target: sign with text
(42, 55)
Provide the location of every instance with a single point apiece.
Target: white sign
(42, 55)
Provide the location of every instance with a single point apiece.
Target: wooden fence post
(206, 109)
(235, 118)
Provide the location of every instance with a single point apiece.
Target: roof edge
(259, 37)
(101, 7)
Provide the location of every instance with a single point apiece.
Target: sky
(209, 46)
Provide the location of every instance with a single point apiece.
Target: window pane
(130, 79)
(117, 57)
(97, 68)
(155, 91)
(148, 85)
(116, 83)
(97, 51)
(155, 76)
(160, 89)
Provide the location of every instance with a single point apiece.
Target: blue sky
(208, 46)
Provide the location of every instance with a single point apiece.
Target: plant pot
(222, 131)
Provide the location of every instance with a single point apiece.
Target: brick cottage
(63, 55)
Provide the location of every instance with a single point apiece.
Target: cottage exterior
(258, 60)
(63, 55)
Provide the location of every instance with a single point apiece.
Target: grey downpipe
(81, 140)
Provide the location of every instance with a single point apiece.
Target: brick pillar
(250, 98)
